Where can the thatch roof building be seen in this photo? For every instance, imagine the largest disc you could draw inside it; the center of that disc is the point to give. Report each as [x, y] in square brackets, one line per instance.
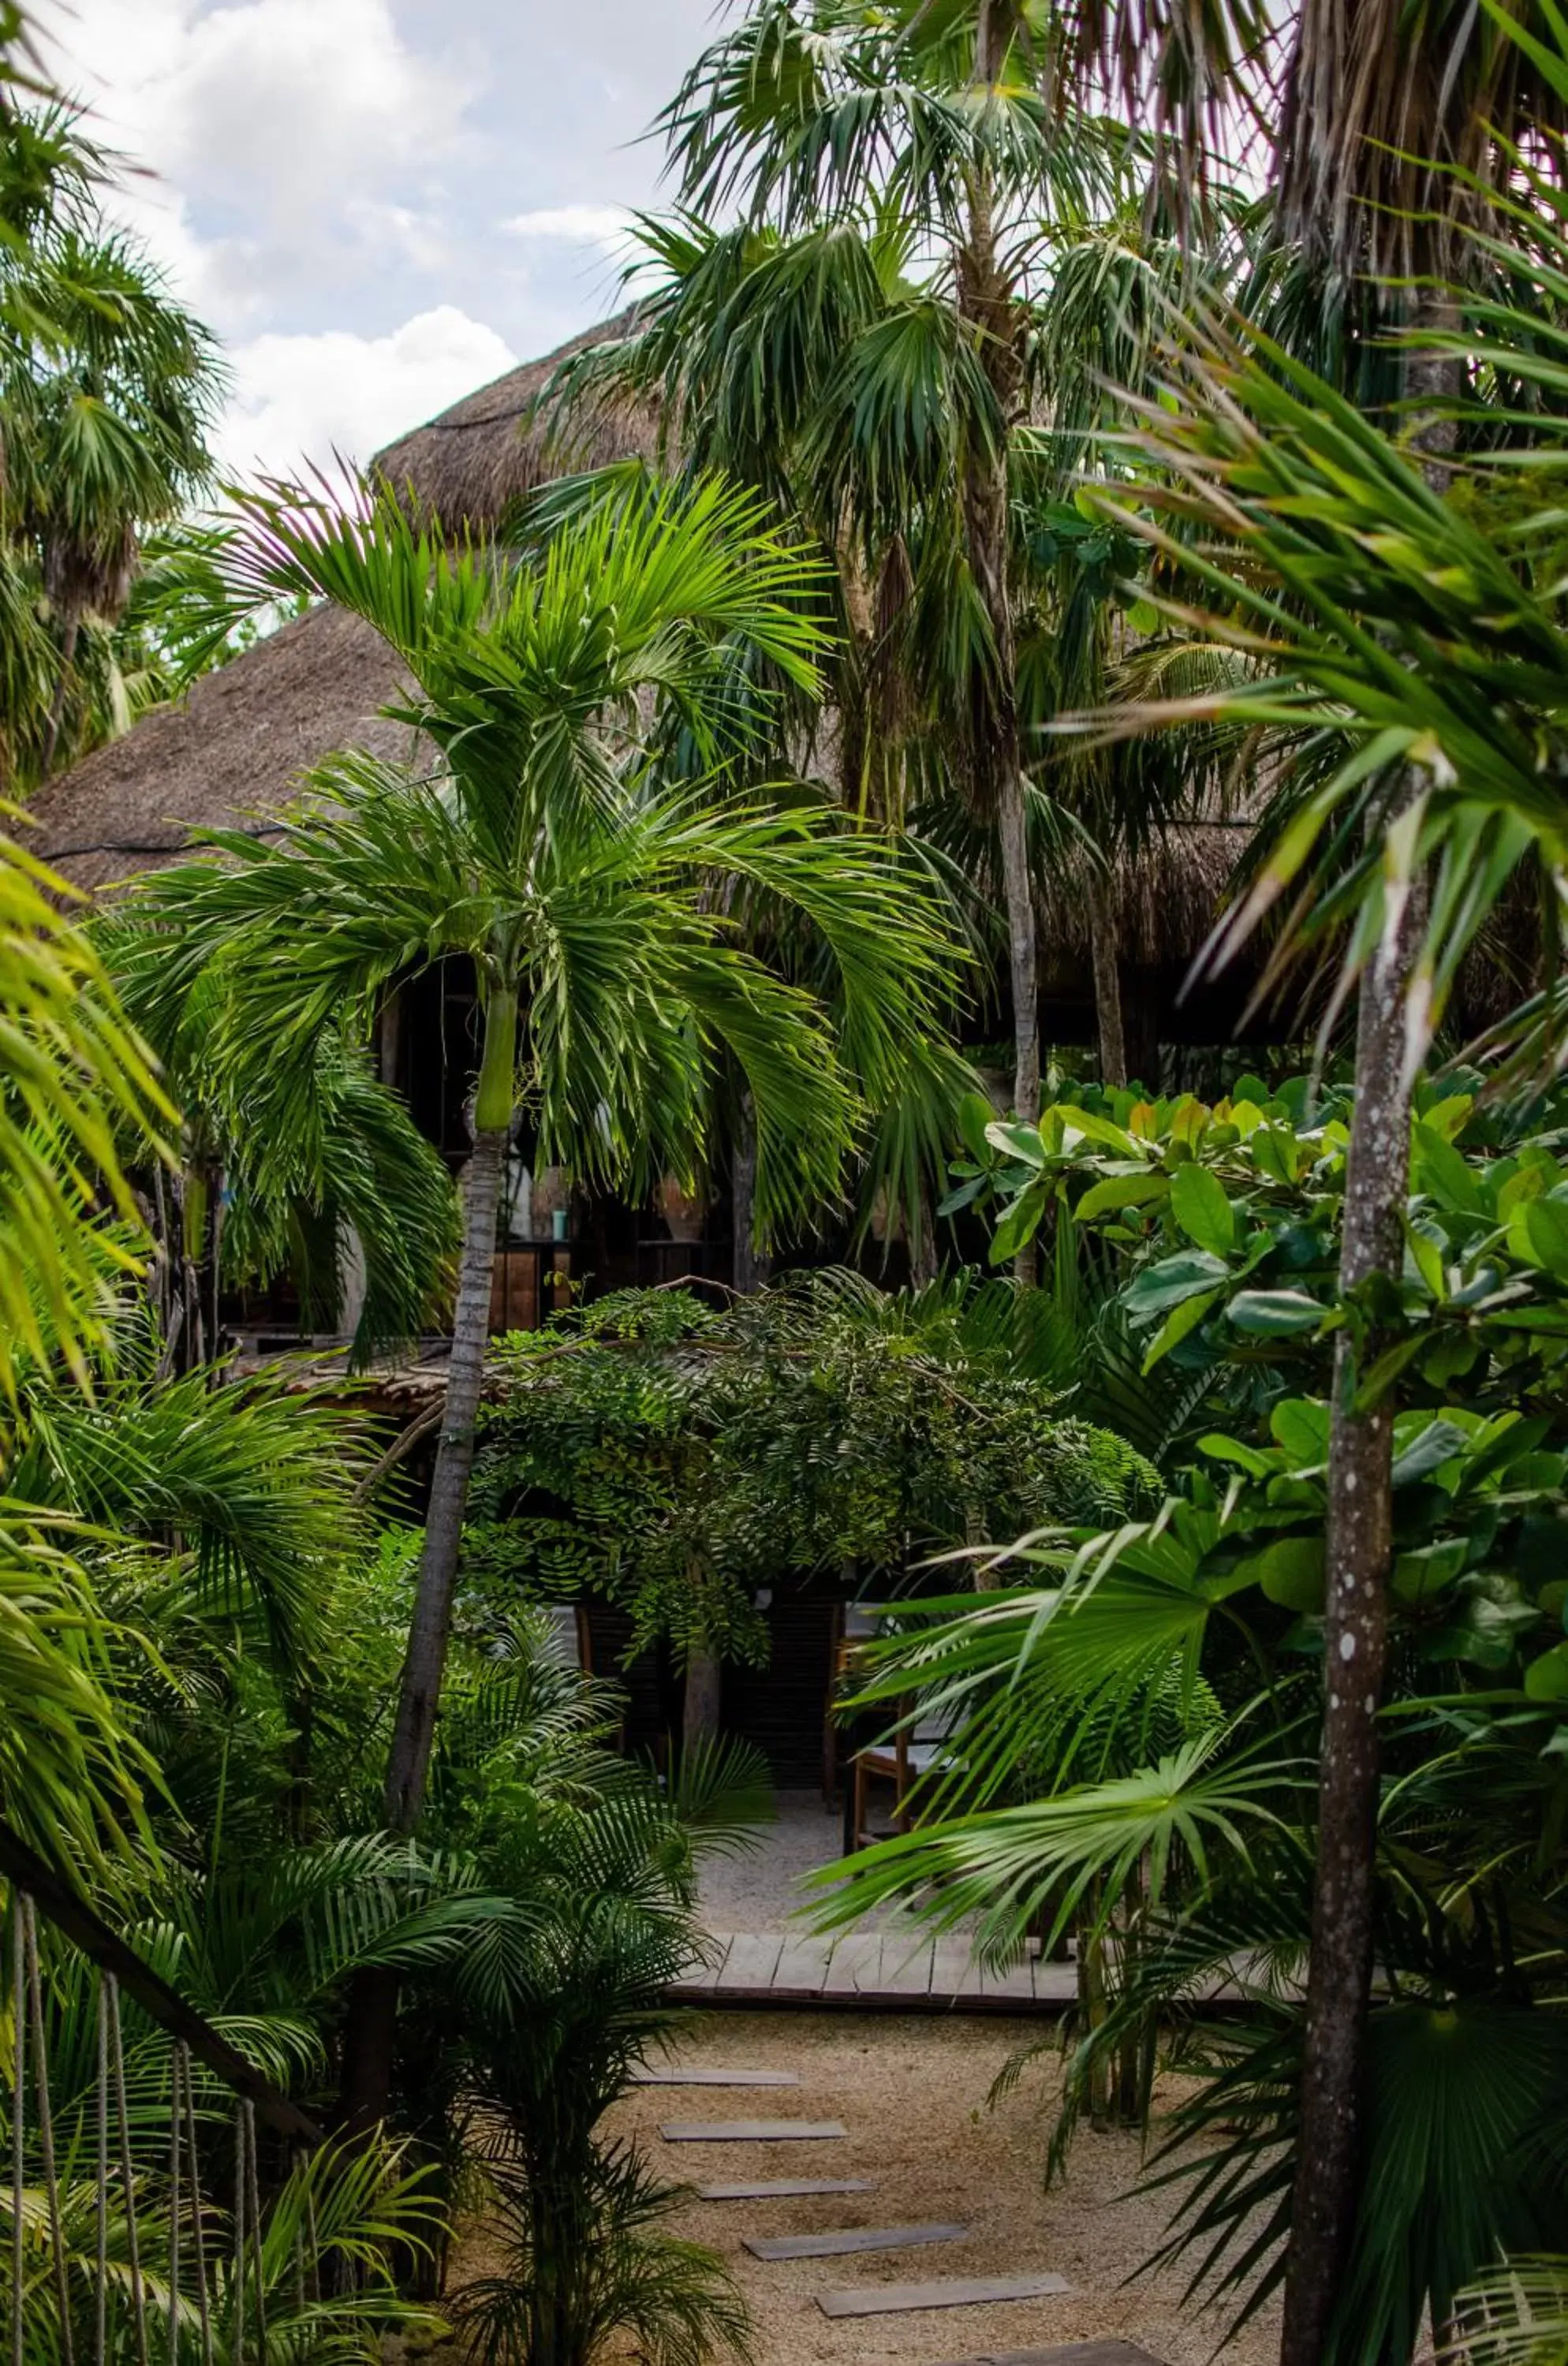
[231, 753]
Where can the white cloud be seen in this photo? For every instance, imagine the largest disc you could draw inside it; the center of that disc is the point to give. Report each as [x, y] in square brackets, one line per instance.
[594, 225]
[301, 399]
[307, 138]
[318, 171]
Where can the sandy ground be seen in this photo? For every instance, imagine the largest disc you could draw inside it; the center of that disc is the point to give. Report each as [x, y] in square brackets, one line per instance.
[766, 1888]
[912, 2094]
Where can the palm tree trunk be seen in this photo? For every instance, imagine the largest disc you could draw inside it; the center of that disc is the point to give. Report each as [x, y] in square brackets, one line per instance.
[986, 306]
[365, 2089]
[1107, 986]
[704, 1686]
[419, 1697]
[1359, 1554]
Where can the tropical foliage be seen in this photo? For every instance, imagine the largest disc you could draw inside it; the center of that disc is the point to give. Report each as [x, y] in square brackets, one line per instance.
[676, 1459]
[109, 389]
[1135, 1725]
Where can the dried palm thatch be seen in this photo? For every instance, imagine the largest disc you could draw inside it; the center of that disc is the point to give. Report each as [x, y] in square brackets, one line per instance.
[1162, 896]
[494, 447]
[227, 757]
[230, 756]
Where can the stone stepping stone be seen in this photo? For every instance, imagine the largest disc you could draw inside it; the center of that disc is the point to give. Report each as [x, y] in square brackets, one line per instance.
[1065, 2353]
[849, 2239]
[751, 2131]
[715, 2079]
[771, 2188]
[947, 2291]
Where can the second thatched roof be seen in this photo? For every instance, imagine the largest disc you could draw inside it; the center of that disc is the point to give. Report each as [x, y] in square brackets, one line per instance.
[231, 755]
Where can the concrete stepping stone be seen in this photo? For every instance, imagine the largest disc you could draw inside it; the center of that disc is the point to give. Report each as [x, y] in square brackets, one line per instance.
[849, 2239]
[751, 2131]
[715, 2079]
[947, 2291]
[1065, 2353]
[771, 2188]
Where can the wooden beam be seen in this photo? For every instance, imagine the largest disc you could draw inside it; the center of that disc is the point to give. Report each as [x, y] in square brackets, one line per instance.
[87, 1930]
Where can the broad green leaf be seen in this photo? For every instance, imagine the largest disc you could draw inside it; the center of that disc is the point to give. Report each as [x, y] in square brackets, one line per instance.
[1300, 1425]
[1531, 1183]
[1161, 1287]
[1440, 1169]
[1176, 1324]
[976, 1116]
[1430, 1448]
[1190, 1121]
[1537, 1232]
[1249, 1459]
[1095, 1128]
[1428, 1254]
[1198, 1203]
[1121, 1191]
[1019, 1142]
[1290, 1571]
[1416, 1575]
[1021, 1224]
[1447, 1117]
[1546, 1679]
[1274, 1149]
[1276, 1313]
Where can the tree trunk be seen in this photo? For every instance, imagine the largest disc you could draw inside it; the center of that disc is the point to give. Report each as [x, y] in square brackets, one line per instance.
[62, 684]
[705, 1688]
[985, 306]
[189, 1345]
[752, 1267]
[365, 2087]
[1107, 988]
[409, 1761]
[1360, 1552]
[925, 1252]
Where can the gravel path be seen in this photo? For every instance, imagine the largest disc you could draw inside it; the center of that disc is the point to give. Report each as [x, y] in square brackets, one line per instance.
[768, 1888]
[913, 2093]
[764, 1890]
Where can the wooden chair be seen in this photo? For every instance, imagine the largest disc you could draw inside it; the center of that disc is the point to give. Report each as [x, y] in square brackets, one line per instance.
[853, 1625]
[902, 1760]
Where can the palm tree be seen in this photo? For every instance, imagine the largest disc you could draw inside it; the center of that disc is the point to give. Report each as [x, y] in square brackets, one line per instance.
[855, 141]
[69, 1239]
[107, 390]
[1393, 137]
[304, 1173]
[539, 847]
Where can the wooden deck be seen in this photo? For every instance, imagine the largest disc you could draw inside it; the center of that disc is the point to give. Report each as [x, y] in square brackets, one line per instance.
[867, 1971]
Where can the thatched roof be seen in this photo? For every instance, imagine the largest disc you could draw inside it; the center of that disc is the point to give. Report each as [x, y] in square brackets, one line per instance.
[227, 756]
[231, 754]
[1165, 898]
[487, 451]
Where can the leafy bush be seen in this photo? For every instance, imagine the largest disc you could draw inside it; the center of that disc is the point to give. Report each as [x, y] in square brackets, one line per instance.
[677, 1459]
[1162, 1679]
